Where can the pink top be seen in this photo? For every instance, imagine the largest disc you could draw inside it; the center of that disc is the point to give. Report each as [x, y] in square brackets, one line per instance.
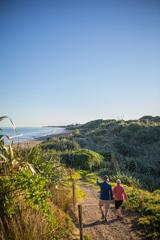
[119, 193]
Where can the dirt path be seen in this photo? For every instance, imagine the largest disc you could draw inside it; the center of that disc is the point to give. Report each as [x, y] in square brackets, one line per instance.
[100, 230]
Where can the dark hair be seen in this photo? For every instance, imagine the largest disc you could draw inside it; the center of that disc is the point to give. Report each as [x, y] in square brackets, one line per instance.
[105, 177]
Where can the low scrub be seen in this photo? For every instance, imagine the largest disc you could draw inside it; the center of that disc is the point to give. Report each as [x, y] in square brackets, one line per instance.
[28, 208]
[82, 159]
[147, 204]
[34, 225]
[60, 144]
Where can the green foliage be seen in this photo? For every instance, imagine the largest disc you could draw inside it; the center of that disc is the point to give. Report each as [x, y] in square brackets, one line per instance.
[60, 144]
[83, 159]
[148, 206]
[76, 133]
[34, 189]
[150, 119]
[148, 135]
[123, 148]
[47, 163]
[126, 179]
[135, 145]
[26, 177]
[88, 177]
[35, 179]
[18, 177]
[93, 124]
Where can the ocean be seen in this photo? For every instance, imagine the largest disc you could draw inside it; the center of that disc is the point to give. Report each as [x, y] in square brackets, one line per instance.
[24, 134]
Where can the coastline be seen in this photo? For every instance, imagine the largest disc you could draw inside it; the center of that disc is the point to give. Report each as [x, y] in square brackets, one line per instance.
[33, 142]
[65, 132]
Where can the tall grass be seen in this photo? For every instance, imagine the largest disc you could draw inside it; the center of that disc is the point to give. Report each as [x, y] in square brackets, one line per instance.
[31, 224]
[25, 225]
[27, 210]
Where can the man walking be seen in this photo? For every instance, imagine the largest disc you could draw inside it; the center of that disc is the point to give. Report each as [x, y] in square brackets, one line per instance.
[105, 196]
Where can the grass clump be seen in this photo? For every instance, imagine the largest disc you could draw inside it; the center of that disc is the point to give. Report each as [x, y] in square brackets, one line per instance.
[147, 204]
[29, 209]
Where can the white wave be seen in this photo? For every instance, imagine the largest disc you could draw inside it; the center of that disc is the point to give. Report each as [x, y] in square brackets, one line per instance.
[16, 136]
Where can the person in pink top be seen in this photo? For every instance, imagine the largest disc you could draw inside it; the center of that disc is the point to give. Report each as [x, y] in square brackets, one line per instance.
[119, 195]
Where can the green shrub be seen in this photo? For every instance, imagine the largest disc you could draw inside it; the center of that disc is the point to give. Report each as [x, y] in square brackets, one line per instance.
[126, 179]
[25, 179]
[60, 144]
[148, 205]
[83, 159]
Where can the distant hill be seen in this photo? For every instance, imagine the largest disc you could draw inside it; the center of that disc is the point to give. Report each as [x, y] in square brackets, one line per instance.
[64, 126]
[131, 146]
[150, 118]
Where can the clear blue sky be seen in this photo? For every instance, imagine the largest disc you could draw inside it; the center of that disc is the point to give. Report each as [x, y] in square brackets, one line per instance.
[73, 61]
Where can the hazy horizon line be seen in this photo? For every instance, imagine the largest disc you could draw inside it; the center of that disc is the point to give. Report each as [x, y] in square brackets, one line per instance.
[4, 125]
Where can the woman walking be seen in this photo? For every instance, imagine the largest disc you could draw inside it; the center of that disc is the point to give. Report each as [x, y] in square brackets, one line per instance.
[119, 195]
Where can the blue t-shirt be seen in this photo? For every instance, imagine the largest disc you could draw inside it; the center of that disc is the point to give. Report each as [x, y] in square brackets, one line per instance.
[106, 191]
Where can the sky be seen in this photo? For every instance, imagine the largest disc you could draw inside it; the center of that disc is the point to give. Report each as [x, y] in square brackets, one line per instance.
[72, 61]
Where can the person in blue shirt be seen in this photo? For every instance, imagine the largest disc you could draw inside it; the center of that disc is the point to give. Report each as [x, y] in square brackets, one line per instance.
[105, 196]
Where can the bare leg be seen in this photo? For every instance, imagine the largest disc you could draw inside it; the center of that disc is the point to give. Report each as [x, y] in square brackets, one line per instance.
[119, 212]
[106, 209]
[116, 212]
[101, 210]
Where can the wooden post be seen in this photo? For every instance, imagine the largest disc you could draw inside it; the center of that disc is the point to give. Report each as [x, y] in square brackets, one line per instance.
[70, 171]
[74, 196]
[80, 221]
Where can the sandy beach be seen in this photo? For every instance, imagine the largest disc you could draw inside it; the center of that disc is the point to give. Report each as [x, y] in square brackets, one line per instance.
[27, 144]
[34, 142]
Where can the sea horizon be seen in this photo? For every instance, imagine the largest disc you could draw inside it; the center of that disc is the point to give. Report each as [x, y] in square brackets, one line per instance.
[24, 134]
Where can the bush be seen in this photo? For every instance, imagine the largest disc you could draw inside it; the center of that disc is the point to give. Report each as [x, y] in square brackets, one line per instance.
[84, 159]
[60, 144]
[148, 206]
[124, 148]
[148, 135]
[126, 179]
[25, 179]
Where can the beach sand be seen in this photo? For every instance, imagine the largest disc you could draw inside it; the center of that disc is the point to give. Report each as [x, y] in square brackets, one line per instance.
[33, 143]
[28, 144]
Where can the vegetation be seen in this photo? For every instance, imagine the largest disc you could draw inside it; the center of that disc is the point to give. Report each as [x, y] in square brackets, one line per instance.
[148, 206]
[82, 159]
[61, 144]
[34, 183]
[131, 147]
[130, 151]
[34, 195]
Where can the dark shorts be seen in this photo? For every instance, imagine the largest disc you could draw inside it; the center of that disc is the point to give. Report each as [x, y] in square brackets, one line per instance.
[118, 204]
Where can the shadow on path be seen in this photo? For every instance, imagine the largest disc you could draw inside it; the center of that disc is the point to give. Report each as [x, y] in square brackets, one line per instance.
[99, 223]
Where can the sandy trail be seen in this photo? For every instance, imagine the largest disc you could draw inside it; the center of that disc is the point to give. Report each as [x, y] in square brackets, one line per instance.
[99, 230]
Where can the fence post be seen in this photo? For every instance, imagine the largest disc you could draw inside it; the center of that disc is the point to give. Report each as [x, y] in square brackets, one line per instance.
[73, 196]
[70, 171]
[80, 221]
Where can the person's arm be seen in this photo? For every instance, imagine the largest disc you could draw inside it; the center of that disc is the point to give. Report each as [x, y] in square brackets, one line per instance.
[111, 193]
[125, 195]
[97, 182]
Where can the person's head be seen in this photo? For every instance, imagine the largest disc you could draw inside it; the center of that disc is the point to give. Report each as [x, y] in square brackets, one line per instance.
[118, 181]
[105, 178]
